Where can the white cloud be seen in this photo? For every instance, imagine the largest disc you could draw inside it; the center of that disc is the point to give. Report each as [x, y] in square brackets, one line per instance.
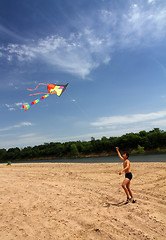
[7, 105]
[27, 135]
[138, 24]
[86, 49]
[22, 124]
[22, 142]
[6, 135]
[161, 123]
[129, 119]
[151, 1]
[11, 109]
[146, 24]
[14, 106]
[77, 55]
[19, 104]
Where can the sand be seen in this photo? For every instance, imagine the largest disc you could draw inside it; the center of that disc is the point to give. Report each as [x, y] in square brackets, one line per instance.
[80, 201]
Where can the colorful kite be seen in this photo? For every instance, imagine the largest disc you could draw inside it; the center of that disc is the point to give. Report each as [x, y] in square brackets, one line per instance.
[58, 89]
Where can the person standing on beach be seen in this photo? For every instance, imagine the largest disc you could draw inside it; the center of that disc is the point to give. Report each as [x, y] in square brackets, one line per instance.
[128, 176]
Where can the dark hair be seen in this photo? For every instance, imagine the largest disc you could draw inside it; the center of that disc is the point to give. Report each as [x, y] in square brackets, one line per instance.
[127, 154]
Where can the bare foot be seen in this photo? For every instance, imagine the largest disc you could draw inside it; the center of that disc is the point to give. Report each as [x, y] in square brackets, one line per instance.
[132, 200]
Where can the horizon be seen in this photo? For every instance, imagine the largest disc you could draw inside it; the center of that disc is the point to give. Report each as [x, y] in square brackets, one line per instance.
[74, 141]
[112, 54]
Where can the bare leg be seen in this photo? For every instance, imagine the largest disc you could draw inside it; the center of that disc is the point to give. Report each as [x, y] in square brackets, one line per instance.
[124, 186]
[129, 190]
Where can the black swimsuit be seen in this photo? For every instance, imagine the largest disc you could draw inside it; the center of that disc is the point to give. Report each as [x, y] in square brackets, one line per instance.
[128, 175]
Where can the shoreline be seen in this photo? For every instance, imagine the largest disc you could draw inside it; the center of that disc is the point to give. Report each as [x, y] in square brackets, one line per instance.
[95, 159]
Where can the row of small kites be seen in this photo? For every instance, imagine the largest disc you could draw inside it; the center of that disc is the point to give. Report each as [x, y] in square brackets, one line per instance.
[51, 88]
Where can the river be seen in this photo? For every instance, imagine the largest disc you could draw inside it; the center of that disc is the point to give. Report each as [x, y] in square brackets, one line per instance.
[111, 159]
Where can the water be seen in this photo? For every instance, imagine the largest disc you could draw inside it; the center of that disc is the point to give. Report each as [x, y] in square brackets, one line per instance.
[111, 159]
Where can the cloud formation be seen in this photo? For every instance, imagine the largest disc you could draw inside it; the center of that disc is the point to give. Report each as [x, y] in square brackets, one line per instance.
[140, 23]
[14, 106]
[19, 125]
[129, 119]
[78, 55]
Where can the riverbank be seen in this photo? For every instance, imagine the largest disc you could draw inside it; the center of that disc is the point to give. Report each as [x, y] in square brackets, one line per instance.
[160, 157]
[78, 201]
[96, 159]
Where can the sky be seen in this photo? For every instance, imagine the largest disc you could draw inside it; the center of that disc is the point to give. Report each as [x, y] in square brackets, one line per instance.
[112, 54]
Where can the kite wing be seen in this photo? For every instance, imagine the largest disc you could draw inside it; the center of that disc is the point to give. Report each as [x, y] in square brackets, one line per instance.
[58, 89]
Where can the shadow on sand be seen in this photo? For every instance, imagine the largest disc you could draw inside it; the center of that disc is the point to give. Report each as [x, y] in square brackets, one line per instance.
[119, 204]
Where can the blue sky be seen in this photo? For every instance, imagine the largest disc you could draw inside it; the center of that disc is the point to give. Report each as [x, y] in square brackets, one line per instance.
[112, 54]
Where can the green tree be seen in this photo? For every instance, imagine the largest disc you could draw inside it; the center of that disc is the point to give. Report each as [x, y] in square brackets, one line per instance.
[142, 133]
[155, 138]
[139, 150]
[73, 150]
[3, 154]
[106, 144]
[27, 153]
[87, 146]
[13, 153]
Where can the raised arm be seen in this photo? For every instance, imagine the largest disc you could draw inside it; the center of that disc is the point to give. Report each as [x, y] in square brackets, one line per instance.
[117, 149]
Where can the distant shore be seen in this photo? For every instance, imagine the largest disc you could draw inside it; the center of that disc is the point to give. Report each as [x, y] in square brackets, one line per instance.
[152, 142]
[104, 154]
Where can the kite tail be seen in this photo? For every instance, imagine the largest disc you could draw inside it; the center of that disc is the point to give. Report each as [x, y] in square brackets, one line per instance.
[26, 107]
[34, 102]
[36, 94]
[51, 88]
[37, 86]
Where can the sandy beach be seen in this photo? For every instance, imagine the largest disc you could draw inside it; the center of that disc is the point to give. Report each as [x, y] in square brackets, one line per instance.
[80, 201]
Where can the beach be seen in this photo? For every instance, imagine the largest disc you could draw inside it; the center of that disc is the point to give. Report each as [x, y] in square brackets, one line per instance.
[69, 201]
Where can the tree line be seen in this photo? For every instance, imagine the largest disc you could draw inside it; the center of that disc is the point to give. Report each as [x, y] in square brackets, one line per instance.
[134, 143]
